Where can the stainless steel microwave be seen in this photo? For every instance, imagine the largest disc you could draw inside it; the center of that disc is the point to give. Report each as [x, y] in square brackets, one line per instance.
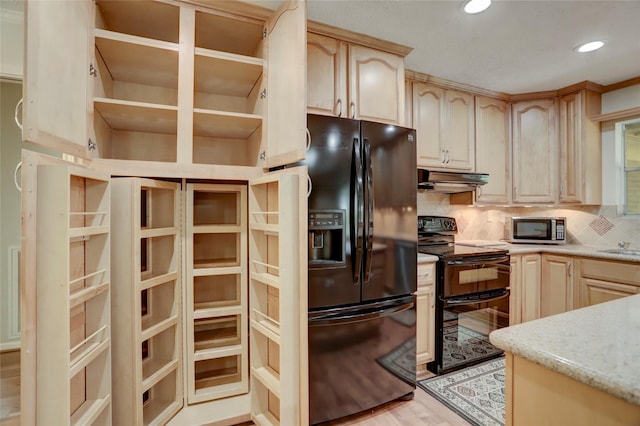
[538, 230]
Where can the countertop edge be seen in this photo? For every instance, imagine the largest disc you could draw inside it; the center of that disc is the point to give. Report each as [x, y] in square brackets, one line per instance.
[510, 340]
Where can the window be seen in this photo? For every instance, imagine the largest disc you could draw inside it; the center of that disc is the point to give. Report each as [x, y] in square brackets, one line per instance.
[631, 161]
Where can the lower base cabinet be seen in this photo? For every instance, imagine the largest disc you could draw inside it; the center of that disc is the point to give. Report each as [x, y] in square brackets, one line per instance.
[601, 281]
[556, 285]
[425, 316]
[546, 397]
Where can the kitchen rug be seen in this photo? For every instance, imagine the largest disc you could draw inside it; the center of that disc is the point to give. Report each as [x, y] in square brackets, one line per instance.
[476, 393]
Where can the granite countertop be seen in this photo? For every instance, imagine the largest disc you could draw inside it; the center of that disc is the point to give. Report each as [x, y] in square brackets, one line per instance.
[598, 345]
[561, 249]
[422, 257]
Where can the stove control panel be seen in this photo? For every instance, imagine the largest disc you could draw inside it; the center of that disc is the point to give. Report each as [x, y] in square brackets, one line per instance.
[432, 224]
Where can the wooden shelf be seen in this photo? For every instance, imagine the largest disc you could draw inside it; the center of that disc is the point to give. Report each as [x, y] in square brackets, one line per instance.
[150, 280]
[226, 74]
[266, 227]
[265, 419]
[269, 378]
[153, 20]
[89, 411]
[153, 326]
[86, 232]
[88, 350]
[138, 116]
[139, 60]
[155, 370]
[215, 264]
[222, 124]
[216, 309]
[267, 329]
[87, 293]
[158, 232]
[222, 33]
[217, 229]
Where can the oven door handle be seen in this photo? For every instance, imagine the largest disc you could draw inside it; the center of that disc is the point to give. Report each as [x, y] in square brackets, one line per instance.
[468, 301]
[479, 261]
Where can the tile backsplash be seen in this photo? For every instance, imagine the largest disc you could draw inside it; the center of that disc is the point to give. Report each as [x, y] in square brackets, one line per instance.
[587, 225]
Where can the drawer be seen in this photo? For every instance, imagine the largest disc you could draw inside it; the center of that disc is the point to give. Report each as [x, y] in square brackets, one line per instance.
[628, 273]
[426, 273]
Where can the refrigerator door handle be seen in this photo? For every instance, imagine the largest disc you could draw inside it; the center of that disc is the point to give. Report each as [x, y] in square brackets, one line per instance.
[336, 319]
[358, 220]
[370, 204]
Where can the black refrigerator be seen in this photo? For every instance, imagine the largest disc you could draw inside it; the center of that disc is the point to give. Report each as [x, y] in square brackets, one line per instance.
[362, 265]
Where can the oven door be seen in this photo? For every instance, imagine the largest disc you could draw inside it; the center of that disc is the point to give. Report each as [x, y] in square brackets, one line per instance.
[466, 322]
[476, 274]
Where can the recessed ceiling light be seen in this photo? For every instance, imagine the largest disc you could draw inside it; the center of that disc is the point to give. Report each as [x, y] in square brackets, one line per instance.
[590, 47]
[476, 6]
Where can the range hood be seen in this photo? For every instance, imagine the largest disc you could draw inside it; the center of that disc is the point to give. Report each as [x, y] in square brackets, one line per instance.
[450, 182]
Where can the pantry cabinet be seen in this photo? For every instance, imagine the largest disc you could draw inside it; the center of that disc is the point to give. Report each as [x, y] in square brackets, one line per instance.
[556, 285]
[580, 171]
[444, 122]
[147, 294]
[195, 93]
[73, 298]
[166, 82]
[493, 149]
[354, 81]
[425, 316]
[216, 302]
[535, 151]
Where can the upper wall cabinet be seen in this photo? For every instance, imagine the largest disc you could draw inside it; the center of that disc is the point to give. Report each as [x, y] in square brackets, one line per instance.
[493, 149]
[349, 80]
[166, 82]
[444, 122]
[580, 148]
[535, 147]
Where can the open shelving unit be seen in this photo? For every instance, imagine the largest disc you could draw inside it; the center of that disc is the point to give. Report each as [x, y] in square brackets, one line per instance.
[147, 296]
[73, 296]
[275, 299]
[211, 112]
[216, 291]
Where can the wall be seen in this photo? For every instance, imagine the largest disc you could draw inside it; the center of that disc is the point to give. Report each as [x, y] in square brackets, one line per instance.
[589, 225]
[11, 38]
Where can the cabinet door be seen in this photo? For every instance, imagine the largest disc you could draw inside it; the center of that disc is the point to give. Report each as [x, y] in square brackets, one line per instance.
[286, 84]
[530, 287]
[459, 131]
[326, 75]
[376, 85]
[425, 315]
[556, 286]
[515, 284]
[427, 120]
[592, 292]
[278, 297]
[55, 89]
[493, 149]
[535, 159]
[580, 149]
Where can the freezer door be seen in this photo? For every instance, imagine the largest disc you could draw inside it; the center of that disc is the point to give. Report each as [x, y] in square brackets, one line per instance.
[333, 161]
[360, 359]
[389, 154]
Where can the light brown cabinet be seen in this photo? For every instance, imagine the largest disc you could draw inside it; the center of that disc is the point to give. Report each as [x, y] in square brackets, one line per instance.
[580, 170]
[601, 281]
[147, 294]
[124, 99]
[493, 149]
[535, 148]
[556, 285]
[216, 305]
[120, 107]
[73, 298]
[425, 316]
[354, 81]
[444, 122]
[524, 300]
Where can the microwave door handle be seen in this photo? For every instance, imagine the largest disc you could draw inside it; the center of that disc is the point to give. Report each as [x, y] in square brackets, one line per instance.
[358, 211]
[369, 200]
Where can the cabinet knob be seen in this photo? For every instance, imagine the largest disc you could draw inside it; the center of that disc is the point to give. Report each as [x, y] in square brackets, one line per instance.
[339, 105]
[353, 109]
[16, 114]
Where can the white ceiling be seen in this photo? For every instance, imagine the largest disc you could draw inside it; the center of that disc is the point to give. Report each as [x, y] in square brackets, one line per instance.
[515, 46]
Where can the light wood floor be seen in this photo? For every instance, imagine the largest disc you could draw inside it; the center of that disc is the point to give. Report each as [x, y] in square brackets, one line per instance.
[421, 410]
